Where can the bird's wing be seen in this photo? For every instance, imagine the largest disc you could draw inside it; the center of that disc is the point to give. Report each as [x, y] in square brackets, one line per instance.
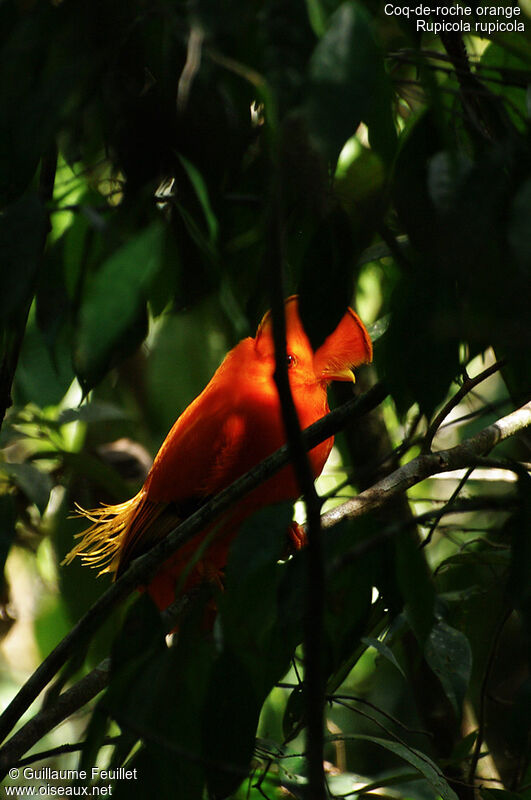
[209, 446]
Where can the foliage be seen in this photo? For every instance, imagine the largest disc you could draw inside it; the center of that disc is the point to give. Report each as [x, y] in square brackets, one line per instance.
[145, 149]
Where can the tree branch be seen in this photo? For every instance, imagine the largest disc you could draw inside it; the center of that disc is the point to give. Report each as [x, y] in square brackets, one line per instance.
[463, 455]
[424, 466]
[468, 385]
[66, 704]
[71, 700]
[142, 569]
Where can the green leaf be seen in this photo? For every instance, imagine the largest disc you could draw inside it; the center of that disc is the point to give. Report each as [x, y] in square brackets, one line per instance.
[348, 85]
[384, 651]
[419, 760]
[34, 483]
[159, 694]
[449, 654]
[379, 328]
[317, 16]
[142, 626]
[293, 713]
[94, 736]
[200, 188]
[513, 69]
[92, 412]
[114, 305]
[42, 374]
[348, 593]
[255, 653]
[251, 585]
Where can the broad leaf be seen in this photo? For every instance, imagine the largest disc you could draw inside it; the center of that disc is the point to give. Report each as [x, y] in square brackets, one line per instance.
[114, 303]
[348, 85]
[34, 483]
[419, 760]
[449, 654]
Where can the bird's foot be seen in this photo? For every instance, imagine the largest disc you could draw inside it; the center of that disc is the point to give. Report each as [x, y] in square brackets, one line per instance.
[296, 539]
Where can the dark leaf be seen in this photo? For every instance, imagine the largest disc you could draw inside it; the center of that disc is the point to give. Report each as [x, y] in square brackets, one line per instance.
[499, 794]
[384, 651]
[293, 714]
[93, 740]
[348, 85]
[249, 606]
[114, 304]
[157, 694]
[449, 654]
[34, 483]
[231, 711]
[419, 760]
[92, 412]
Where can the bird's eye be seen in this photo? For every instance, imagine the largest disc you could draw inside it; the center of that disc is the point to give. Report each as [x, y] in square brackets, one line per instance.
[290, 360]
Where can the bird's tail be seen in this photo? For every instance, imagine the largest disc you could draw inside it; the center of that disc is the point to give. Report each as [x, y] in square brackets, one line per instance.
[102, 543]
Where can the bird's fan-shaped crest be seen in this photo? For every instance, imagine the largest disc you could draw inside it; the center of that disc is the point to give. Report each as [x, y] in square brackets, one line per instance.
[295, 333]
[348, 346]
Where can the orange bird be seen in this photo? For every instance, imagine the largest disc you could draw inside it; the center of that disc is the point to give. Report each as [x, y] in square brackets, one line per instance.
[233, 424]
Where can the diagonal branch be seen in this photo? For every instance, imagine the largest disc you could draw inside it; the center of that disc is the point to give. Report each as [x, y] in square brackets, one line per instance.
[70, 701]
[424, 466]
[467, 453]
[468, 385]
[142, 569]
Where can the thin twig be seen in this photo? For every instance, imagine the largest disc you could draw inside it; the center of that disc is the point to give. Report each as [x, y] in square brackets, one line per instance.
[476, 753]
[467, 387]
[142, 569]
[73, 699]
[390, 531]
[444, 509]
[424, 466]
[344, 698]
[397, 482]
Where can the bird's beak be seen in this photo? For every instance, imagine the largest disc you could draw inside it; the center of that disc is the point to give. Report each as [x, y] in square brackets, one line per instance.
[338, 375]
